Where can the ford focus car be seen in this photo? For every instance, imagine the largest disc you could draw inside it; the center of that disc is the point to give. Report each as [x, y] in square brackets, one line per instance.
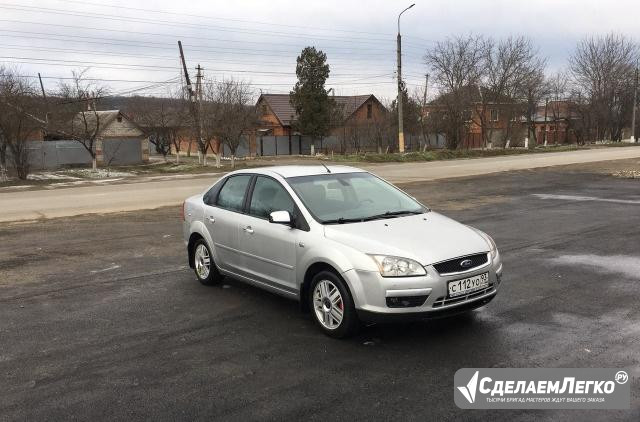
[348, 245]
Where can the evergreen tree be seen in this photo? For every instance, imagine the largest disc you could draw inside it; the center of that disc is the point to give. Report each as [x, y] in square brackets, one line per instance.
[309, 98]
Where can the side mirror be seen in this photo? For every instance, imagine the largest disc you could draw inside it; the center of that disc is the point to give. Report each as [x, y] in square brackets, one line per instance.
[280, 217]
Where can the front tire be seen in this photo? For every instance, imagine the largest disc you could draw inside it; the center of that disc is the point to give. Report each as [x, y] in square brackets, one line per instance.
[332, 306]
[203, 264]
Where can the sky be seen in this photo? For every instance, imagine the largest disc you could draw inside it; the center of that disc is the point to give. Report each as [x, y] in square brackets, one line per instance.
[131, 46]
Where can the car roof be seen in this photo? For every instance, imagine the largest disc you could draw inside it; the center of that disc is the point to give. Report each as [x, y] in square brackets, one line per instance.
[301, 170]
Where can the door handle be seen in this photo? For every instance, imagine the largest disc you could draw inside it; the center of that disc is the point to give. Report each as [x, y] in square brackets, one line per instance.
[211, 219]
[248, 229]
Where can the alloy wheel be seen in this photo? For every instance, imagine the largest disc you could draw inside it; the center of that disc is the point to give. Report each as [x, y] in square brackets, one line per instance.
[328, 304]
[202, 261]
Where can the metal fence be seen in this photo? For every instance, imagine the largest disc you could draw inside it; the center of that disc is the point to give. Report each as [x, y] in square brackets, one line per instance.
[301, 145]
[51, 155]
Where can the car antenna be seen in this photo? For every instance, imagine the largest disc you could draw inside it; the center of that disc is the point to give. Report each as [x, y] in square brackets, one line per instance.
[323, 165]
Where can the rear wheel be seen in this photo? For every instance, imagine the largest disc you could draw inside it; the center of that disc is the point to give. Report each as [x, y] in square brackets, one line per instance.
[203, 264]
[332, 305]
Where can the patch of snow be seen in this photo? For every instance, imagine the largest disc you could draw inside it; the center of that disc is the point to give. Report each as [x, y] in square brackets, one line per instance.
[613, 264]
[111, 268]
[50, 175]
[97, 174]
[17, 187]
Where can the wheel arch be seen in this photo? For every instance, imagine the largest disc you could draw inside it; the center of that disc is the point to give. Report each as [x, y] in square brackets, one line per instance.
[311, 271]
[195, 236]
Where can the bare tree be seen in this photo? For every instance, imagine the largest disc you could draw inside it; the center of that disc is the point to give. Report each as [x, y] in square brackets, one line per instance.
[210, 115]
[557, 108]
[602, 69]
[535, 90]
[163, 120]
[457, 65]
[510, 63]
[233, 113]
[80, 120]
[420, 98]
[18, 122]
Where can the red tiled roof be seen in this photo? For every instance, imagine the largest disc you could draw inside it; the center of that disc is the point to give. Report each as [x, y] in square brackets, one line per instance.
[284, 111]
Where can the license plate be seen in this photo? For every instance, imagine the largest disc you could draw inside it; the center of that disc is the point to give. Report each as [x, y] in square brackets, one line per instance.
[468, 285]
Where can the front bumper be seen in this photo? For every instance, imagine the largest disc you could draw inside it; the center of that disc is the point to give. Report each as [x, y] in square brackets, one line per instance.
[376, 297]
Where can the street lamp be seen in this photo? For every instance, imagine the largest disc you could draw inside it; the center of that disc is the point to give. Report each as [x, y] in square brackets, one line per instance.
[399, 100]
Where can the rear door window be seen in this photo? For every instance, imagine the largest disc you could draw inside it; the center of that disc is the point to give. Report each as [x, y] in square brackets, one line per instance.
[232, 194]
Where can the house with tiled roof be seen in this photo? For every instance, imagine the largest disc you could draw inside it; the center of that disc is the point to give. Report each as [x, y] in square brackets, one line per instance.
[276, 114]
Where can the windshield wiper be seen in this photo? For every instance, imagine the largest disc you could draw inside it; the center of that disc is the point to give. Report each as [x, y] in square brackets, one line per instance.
[391, 214]
[343, 220]
[388, 214]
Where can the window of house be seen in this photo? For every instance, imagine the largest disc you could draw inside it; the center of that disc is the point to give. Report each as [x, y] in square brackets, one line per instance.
[119, 118]
[264, 109]
[369, 110]
[493, 115]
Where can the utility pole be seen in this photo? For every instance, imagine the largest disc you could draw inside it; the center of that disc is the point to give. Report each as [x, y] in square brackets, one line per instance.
[399, 100]
[634, 108]
[192, 102]
[186, 73]
[425, 138]
[546, 126]
[44, 96]
[42, 87]
[198, 113]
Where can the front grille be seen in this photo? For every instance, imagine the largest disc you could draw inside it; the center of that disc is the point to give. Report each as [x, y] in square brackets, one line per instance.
[444, 301]
[453, 265]
[406, 301]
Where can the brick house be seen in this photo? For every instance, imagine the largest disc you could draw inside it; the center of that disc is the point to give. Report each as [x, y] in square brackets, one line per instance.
[500, 121]
[276, 114]
[553, 122]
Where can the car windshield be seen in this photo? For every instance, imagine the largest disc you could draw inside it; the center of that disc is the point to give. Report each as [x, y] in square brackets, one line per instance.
[336, 198]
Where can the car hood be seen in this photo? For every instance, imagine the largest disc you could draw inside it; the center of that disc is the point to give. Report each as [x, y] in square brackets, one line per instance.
[428, 238]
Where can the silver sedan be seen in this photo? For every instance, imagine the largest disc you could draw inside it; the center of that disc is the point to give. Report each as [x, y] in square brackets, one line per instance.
[348, 245]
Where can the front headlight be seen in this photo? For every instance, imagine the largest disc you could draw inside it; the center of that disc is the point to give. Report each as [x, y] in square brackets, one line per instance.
[394, 266]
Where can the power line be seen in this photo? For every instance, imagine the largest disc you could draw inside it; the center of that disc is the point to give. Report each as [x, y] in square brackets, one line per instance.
[335, 63]
[208, 28]
[182, 36]
[164, 45]
[152, 67]
[175, 81]
[252, 22]
[175, 13]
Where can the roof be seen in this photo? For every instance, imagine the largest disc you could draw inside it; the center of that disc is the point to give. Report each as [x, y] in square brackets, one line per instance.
[284, 111]
[300, 170]
[64, 122]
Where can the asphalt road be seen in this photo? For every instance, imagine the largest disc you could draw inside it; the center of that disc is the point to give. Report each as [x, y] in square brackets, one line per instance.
[100, 319]
[168, 191]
